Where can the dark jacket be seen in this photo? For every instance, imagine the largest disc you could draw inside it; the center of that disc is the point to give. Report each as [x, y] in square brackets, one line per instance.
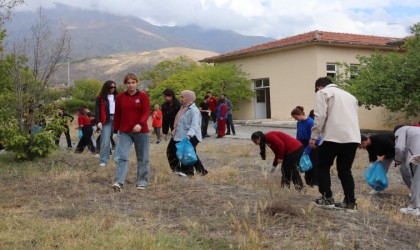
[169, 112]
[98, 107]
[381, 144]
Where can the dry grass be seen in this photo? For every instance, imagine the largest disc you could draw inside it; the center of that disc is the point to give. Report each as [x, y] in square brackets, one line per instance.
[67, 202]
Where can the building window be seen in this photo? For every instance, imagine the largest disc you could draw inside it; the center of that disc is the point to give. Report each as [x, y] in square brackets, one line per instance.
[261, 83]
[354, 70]
[332, 70]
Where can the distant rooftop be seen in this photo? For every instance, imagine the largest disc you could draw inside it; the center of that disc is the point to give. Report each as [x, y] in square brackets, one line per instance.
[312, 37]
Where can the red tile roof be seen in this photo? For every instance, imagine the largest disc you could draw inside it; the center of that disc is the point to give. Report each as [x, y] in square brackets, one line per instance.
[311, 37]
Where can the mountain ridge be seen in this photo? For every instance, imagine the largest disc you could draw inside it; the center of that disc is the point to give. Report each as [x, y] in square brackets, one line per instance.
[95, 33]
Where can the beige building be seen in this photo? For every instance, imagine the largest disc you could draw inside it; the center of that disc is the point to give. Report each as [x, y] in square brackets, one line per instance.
[283, 72]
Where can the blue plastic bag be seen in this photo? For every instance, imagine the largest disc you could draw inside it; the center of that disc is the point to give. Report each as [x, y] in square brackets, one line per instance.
[185, 152]
[80, 134]
[305, 163]
[376, 177]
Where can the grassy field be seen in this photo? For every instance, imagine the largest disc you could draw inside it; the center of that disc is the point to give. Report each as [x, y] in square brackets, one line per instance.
[66, 202]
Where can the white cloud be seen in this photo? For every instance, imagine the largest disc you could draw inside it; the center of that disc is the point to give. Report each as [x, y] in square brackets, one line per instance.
[274, 18]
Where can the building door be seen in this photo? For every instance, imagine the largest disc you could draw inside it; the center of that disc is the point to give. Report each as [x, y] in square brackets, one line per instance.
[262, 99]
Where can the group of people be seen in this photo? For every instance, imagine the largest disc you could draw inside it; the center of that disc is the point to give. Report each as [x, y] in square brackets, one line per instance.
[333, 134]
[220, 112]
[329, 133]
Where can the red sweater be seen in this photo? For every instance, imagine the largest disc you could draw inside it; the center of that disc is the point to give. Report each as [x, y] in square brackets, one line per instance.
[157, 119]
[282, 144]
[83, 120]
[131, 110]
[212, 104]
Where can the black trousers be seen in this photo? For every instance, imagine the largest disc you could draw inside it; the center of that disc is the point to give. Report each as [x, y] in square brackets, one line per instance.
[229, 124]
[67, 134]
[176, 165]
[289, 169]
[311, 177]
[166, 125]
[204, 124]
[86, 140]
[345, 153]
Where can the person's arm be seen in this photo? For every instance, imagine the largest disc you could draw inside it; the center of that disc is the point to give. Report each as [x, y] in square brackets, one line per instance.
[80, 122]
[277, 146]
[223, 112]
[400, 142]
[145, 110]
[117, 114]
[195, 123]
[320, 110]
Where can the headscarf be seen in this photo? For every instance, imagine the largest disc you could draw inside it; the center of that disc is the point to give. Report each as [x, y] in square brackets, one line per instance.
[189, 98]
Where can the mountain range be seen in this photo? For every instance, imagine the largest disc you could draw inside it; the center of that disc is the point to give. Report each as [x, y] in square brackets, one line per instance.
[95, 33]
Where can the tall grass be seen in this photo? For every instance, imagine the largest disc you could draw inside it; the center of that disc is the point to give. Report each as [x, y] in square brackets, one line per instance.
[66, 201]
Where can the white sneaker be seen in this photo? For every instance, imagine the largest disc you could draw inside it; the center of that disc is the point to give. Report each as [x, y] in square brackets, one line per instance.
[181, 174]
[374, 192]
[141, 187]
[410, 210]
[102, 164]
[117, 187]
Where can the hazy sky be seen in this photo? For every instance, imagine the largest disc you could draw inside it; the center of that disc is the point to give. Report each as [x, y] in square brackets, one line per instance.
[272, 18]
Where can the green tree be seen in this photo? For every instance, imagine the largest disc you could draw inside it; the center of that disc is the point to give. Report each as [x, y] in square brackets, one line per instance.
[165, 69]
[226, 79]
[26, 127]
[390, 80]
[84, 92]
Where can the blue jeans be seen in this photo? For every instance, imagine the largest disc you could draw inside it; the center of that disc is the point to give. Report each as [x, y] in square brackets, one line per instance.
[107, 130]
[93, 136]
[141, 145]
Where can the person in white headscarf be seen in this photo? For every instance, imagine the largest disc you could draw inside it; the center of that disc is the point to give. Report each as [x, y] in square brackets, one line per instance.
[187, 123]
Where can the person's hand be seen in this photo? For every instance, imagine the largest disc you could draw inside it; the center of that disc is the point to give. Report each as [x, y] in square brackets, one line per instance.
[137, 128]
[312, 143]
[280, 161]
[99, 125]
[415, 159]
[273, 169]
[381, 158]
[115, 137]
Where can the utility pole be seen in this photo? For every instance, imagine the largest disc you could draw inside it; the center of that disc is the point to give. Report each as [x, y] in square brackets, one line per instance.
[68, 72]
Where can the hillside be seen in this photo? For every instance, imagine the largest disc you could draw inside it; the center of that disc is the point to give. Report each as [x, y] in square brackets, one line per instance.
[116, 66]
[95, 33]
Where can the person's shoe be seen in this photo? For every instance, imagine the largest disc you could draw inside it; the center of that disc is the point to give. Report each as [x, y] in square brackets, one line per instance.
[234, 133]
[410, 210]
[374, 192]
[325, 202]
[96, 155]
[141, 187]
[157, 142]
[181, 174]
[69, 148]
[227, 133]
[117, 187]
[351, 207]
[102, 164]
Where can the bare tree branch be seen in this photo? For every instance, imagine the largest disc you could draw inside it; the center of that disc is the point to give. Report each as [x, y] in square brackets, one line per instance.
[6, 7]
